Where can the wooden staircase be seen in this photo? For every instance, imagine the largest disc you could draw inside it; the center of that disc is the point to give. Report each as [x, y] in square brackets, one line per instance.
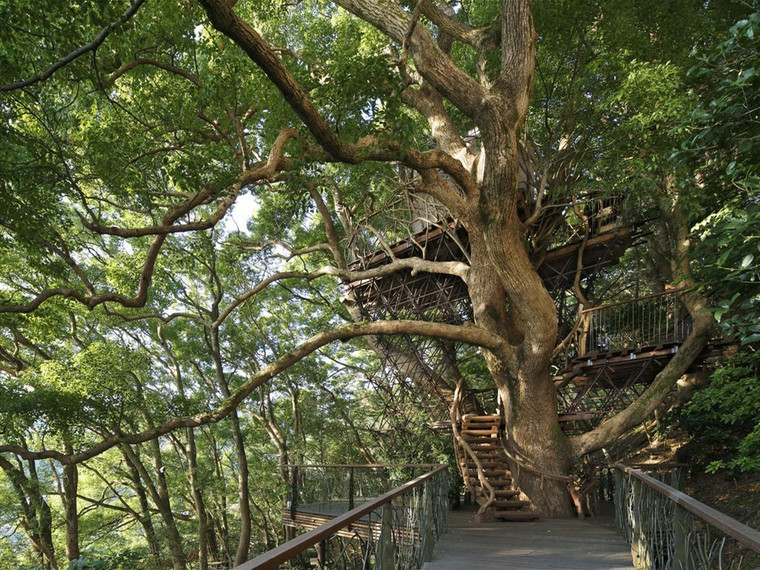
[481, 435]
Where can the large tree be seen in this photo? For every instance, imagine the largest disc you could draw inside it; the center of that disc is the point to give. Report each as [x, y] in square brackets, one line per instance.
[130, 131]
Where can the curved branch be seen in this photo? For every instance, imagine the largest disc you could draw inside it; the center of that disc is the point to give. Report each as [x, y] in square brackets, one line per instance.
[454, 268]
[431, 62]
[64, 61]
[468, 334]
[167, 227]
[224, 19]
[92, 301]
[264, 170]
[460, 31]
[154, 62]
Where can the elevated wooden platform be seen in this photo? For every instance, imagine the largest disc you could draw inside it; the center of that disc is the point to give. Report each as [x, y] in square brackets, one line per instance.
[602, 250]
[447, 241]
[599, 384]
[567, 544]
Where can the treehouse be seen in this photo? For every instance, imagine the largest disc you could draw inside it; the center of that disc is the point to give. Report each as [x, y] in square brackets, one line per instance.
[612, 356]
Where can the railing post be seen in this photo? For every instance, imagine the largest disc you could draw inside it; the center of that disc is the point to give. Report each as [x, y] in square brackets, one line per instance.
[321, 548]
[681, 522]
[294, 494]
[384, 559]
[426, 522]
[639, 542]
[351, 489]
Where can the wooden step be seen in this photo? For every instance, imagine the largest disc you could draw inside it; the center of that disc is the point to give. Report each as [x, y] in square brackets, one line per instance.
[493, 482]
[489, 472]
[513, 515]
[516, 504]
[482, 419]
[486, 463]
[506, 493]
[500, 467]
[480, 440]
[478, 437]
[485, 445]
[490, 454]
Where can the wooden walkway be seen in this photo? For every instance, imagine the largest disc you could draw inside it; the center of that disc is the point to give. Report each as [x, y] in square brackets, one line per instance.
[569, 544]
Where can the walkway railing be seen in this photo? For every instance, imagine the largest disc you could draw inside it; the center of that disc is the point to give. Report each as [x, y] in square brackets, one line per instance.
[667, 529]
[651, 320]
[351, 529]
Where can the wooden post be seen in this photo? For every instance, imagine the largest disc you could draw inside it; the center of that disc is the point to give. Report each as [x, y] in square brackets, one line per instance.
[426, 522]
[294, 494]
[681, 523]
[351, 489]
[638, 542]
[321, 553]
[384, 559]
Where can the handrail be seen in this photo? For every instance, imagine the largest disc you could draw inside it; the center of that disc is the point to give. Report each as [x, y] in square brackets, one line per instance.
[741, 532]
[635, 300]
[361, 466]
[288, 550]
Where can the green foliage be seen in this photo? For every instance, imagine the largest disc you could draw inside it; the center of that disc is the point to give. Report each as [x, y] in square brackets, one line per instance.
[728, 267]
[722, 418]
[725, 129]
[723, 145]
[95, 386]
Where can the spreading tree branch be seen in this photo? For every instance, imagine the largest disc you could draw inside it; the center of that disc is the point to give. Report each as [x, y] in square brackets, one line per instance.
[468, 334]
[77, 53]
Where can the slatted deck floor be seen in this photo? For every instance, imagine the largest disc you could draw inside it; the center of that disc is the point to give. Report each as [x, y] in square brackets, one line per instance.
[569, 544]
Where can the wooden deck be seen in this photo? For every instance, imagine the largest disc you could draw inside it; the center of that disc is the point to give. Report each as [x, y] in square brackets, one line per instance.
[569, 544]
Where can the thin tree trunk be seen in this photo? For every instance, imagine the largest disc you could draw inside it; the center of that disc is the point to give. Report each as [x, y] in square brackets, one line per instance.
[145, 518]
[160, 496]
[244, 504]
[198, 503]
[36, 513]
[70, 488]
[191, 454]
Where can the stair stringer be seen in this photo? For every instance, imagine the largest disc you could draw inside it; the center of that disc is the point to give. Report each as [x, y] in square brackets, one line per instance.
[486, 472]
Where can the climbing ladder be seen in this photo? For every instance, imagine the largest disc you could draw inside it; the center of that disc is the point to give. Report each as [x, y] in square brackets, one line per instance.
[484, 468]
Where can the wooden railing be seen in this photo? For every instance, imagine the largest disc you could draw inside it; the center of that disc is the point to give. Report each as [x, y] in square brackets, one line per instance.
[669, 529]
[397, 529]
[647, 321]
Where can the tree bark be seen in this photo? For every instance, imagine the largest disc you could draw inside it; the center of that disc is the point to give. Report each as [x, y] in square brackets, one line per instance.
[244, 503]
[70, 488]
[159, 493]
[36, 519]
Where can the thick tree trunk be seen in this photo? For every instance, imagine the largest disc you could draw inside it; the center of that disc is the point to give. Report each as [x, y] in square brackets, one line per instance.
[541, 452]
